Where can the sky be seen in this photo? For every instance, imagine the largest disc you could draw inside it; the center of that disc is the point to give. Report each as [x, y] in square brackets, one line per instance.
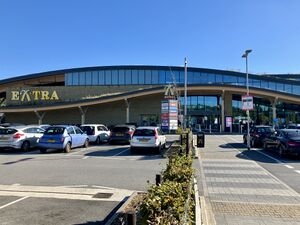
[39, 36]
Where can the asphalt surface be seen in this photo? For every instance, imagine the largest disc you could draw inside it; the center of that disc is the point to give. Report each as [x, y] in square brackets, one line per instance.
[81, 187]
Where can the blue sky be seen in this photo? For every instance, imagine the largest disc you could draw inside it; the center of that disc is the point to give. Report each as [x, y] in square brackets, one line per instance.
[39, 36]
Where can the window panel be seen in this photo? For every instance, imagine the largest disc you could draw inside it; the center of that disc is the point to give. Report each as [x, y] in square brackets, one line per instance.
[114, 77]
[128, 77]
[148, 78]
[95, 78]
[88, 78]
[141, 76]
[82, 78]
[135, 78]
[288, 88]
[101, 77]
[107, 77]
[169, 77]
[272, 86]
[162, 77]
[121, 77]
[155, 77]
[219, 78]
[264, 84]
[211, 78]
[242, 81]
[279, 87]
[181, 76]
[69, 79]
[296, 89]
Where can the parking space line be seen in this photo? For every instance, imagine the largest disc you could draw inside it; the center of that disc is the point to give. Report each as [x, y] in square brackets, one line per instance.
[13, 202]
[288, 166]
[122, 152]
[297, 171]
[85, 157]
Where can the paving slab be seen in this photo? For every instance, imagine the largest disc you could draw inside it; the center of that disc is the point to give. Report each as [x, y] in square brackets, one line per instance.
[237, 190]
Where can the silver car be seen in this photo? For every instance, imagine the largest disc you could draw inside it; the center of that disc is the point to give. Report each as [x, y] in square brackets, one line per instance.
[20, 137]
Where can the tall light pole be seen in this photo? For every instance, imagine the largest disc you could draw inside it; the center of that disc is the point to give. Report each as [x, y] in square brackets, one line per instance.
[185, 94]
[245, 55]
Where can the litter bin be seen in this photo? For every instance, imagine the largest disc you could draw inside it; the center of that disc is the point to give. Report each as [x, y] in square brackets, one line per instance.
[200, 139]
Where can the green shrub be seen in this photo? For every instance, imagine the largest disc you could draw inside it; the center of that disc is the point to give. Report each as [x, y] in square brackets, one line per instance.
[165, 203]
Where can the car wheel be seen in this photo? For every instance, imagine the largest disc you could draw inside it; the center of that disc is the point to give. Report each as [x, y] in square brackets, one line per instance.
[282, 152]
[43, 150]
[252, 143]
[98, 140]
[265, 146]
[86, 143]
[132, 150]
[158, 149]
[25, 146]
[67, 148]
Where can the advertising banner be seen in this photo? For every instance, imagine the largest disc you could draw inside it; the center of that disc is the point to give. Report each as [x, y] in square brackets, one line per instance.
[169, 114]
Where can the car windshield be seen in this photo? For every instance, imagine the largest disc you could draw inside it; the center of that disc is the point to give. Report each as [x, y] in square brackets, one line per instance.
[54, 130]
[7, 131]
[120, 129]
[144, 132]
[89, 130]
[265, 130]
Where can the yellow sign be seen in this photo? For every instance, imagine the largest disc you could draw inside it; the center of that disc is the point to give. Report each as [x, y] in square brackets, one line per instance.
[28, 95]
[169, 91]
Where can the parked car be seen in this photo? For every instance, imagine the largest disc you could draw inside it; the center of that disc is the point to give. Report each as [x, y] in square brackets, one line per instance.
[63, 137]
[293, 126]
[148, 138]
[43, 126]
[258, 134]
[121, 134]
[97, 132]
[20, 137]
[285, 141]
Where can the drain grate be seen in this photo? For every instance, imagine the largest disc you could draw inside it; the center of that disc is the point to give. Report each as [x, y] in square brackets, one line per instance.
[102, 195]
[251, 209]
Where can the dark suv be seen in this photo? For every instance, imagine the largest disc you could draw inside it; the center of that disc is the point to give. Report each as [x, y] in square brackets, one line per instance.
[121, 134]
[258, 134]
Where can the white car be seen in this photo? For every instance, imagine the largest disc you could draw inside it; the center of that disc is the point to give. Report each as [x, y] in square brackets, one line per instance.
[148, 138]
[97, 132]
[20, 137]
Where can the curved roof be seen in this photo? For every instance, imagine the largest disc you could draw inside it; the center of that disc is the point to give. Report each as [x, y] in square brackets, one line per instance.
[271, 95]
[268, 77]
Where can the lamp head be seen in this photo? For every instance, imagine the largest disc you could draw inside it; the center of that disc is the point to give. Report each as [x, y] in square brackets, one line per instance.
[246, 53]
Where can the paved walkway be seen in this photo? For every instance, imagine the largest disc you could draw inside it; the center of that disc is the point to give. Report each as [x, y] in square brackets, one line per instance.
[238, 191]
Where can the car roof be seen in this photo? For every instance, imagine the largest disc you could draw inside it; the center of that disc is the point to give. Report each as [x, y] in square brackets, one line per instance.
[257, 126]
[124, 125]
[148, 127]
[286, 129]
[96, 124]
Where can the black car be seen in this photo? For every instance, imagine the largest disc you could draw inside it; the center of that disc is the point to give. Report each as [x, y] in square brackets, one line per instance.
[258, 134]
[285, 141]
[121, 134]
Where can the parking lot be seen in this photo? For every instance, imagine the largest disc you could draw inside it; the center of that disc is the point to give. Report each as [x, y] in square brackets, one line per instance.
[80, 187]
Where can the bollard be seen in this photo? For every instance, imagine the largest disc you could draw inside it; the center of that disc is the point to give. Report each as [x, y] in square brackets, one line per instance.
[158, 179]
[187, 149]
[131, 218]
[210, 128]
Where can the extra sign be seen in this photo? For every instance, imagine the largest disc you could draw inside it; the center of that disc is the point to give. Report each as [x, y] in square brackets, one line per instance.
[247, 102]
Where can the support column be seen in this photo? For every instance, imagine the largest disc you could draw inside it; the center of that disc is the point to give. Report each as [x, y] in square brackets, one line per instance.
[127, 103]
[274, 103]
[223, 111]
[39, 116]
[82, 111]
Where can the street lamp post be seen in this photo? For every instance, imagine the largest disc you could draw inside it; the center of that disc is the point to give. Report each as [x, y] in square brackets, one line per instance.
[185, 95]
[245, 55]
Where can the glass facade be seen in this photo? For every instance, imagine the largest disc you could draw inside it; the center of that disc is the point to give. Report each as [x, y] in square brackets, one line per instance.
[203, 111]
[263, 113]
[157, 77]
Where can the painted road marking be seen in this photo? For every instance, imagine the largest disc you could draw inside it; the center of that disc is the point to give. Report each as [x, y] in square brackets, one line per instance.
[13, 202]
[288, 166]
[76, 193]
[297, 171]
[85, 157]
[121, 152]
